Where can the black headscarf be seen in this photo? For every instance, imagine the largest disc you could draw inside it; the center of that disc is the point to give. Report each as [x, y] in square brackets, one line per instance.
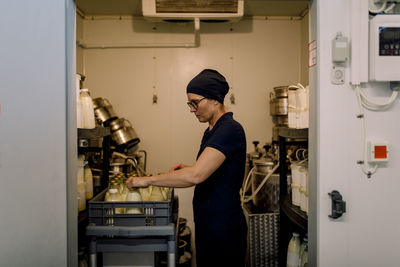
[210, 84]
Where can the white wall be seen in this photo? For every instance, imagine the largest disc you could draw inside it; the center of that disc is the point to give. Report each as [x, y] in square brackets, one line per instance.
[254, 56]
[305, 29]
[368, 233]
[33, 133]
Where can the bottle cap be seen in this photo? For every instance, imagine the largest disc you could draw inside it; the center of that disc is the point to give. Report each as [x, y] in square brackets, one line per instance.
[295, 234]
[85, 90]
[113, 190]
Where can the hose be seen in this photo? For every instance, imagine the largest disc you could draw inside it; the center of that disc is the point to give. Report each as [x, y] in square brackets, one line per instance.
[384, 8]
[369, 104]
[244, 188]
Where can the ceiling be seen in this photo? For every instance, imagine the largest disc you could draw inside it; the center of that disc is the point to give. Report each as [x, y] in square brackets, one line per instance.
[251, 7]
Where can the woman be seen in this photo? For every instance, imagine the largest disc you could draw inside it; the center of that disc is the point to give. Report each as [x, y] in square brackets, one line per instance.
[220, 225]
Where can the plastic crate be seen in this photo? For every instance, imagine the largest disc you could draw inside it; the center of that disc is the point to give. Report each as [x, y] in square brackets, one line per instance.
[155, 213]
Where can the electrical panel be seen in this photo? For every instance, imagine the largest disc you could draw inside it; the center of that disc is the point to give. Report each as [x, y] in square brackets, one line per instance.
[384, 60]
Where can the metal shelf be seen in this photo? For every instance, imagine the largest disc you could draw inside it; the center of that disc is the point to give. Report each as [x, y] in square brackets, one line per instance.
[292, 218]
[293, 133]
[294, 213]
[93, 133]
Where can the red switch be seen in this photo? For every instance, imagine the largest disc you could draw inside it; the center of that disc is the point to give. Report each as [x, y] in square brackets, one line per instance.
[380, 152]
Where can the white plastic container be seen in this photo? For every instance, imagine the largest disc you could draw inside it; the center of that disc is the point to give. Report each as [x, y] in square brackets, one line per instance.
[88, 182]
[296, 194]
[292, 108]
[303, 199]
[295, 169]
[303, 172]
[293, 254]
[88, 119]
[302, 107]
[306, 204]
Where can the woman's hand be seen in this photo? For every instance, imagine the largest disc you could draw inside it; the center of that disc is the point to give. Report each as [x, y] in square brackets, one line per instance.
[135, 182]
[177, 167]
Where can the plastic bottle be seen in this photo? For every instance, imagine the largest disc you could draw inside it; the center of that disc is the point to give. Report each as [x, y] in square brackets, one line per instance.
[125, 190]
[304, 257]
[114, 196]
[156, 194]
[87, 109]
[81, 184]
[88, 182]
[113, 184]
[302, 246]
[121, 181]
[293, 254]
[133, 195]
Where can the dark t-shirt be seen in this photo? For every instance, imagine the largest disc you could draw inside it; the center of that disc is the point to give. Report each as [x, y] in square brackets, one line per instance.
[216, 201]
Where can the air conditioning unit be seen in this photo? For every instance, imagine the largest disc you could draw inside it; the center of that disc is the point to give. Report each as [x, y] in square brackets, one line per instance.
[188, 10]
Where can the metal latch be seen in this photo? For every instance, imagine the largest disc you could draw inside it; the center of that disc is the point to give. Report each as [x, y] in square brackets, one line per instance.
[338, 205]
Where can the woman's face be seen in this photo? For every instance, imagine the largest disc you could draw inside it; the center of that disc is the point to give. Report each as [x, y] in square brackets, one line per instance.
[202, 108]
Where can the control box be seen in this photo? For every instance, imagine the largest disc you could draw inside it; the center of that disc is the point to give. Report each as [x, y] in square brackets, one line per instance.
[378, 151]
[384, 48]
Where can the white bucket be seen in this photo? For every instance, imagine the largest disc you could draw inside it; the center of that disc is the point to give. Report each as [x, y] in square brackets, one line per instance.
[296, 175]
[292, 108]
[296, 194]
[303, 201]
[303, 173]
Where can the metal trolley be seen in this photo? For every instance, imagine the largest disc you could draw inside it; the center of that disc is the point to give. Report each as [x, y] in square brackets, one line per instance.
[154, 230]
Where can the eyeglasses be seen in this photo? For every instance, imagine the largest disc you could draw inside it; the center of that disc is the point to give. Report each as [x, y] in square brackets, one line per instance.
[194, 103]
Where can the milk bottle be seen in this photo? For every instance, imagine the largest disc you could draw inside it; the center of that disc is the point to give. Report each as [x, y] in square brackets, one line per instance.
[81, 185]
[114, 196]
[88, 182]
[133, 195]
[293, 254]
[87, 109]
[113, 184]
[302, 247]
[156, 194]
[124, 191]
[304, 257]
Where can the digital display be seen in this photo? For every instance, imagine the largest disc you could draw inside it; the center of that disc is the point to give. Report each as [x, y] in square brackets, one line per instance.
[389, 41]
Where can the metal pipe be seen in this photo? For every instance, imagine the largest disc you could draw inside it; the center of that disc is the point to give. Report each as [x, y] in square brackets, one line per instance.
[145, 158]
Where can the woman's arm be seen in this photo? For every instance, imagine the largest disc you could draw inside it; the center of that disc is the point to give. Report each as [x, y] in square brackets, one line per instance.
[207, 163]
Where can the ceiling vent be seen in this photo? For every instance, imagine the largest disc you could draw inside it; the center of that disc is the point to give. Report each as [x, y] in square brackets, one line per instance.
[188, 10]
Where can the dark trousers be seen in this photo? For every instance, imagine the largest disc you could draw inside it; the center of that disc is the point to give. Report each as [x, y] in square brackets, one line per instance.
[221, 248]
